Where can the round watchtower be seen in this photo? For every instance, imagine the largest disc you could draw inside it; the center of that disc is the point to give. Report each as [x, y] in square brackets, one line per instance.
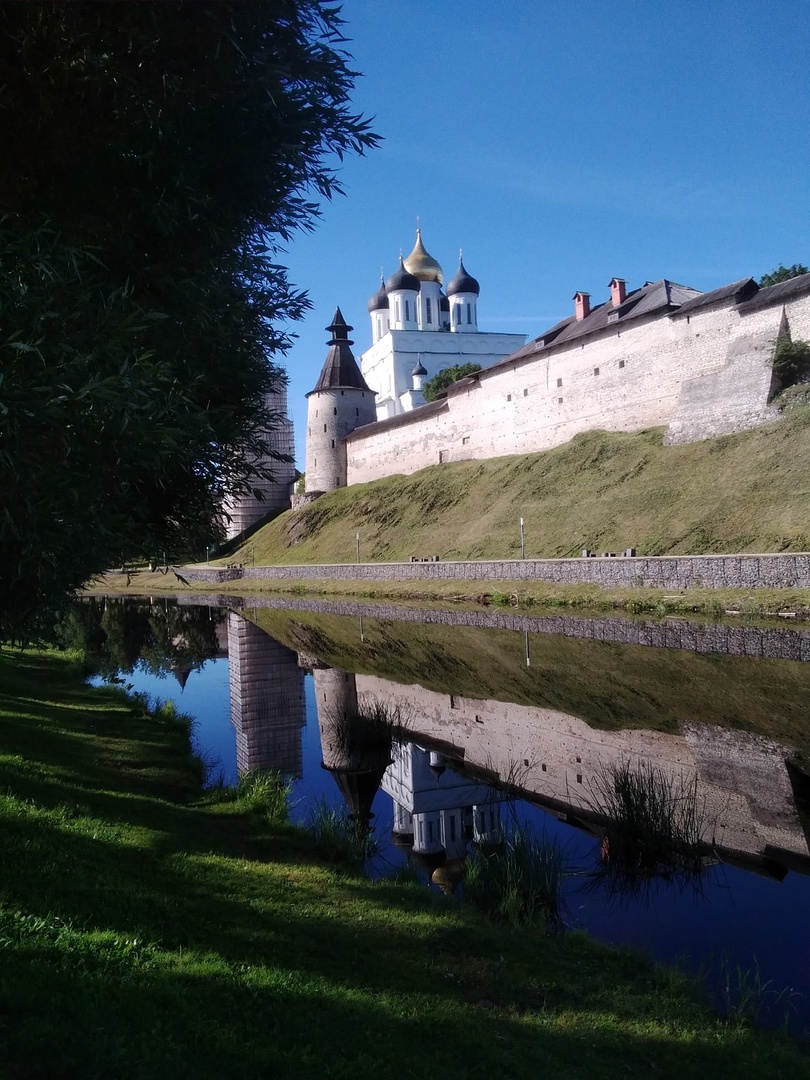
[340, 402]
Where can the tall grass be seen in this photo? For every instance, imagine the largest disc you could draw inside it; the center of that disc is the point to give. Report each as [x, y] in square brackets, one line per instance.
[339, 836]
[653, 825]
[519, 881]
[264, 792]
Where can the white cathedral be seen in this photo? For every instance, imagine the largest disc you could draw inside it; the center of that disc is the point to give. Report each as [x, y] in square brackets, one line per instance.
[417, 330]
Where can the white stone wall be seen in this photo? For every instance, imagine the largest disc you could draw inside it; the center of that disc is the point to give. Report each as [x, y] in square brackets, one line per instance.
[623, 379]
[331, 415]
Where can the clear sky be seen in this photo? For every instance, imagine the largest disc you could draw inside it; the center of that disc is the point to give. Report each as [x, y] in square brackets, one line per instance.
[560, 144]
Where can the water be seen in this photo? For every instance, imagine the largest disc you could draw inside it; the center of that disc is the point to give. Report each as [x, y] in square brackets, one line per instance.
[546, 705]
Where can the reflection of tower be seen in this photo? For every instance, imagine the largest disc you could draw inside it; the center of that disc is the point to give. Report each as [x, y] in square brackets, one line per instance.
[356, 750]
[267, 700]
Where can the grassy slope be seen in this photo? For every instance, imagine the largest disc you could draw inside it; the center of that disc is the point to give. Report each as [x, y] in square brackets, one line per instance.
[747, 492]
[146, 934]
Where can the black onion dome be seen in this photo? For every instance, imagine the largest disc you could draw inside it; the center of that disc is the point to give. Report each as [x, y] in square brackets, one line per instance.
[462, 282]
[379, 299]
[402, 280]
[419, 369]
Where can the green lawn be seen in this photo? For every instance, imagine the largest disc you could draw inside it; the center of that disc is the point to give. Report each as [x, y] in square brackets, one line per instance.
[149, 931]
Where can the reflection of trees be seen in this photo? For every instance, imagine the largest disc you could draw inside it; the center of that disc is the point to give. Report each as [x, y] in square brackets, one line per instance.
[118, 635]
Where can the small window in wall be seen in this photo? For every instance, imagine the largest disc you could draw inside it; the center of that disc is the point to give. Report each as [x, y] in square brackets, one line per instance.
[309, 431]
[335, 410]
[356, 412]
[525, 393]
[508, 397]
[407, 311]
[453, 827]
[442, 456]
[428, 312]
[621, 363]
[559, 382]
[342, 394]
[333, 444]
[596, 371]
[469, 314]
[324, 427]
[544, 767]
[559, 401]
[579, 777]
[399, 312]
[316, 414]
[458, 314]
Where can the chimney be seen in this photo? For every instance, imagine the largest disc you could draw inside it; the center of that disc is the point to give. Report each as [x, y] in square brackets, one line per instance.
[618, 291]
[582, 305]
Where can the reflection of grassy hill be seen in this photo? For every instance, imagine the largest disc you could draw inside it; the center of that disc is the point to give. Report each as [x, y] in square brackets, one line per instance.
[608, 685]
[747, 492]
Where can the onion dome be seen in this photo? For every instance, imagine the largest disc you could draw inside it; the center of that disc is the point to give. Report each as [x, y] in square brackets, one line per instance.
[402, 280]
[379, 299]
[419, 369]
[462, 282]
[421, 264]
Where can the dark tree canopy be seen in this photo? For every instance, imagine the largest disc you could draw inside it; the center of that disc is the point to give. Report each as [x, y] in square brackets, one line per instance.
[155, 157]
[783, 273]
[444, 378]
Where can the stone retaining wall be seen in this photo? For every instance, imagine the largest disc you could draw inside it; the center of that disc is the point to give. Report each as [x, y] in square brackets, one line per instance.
[666, 572]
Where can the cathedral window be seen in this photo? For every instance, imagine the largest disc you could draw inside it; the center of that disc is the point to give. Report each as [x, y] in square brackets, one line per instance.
[428, 313]
[399, 312]
[335, 410]
[324, 427]
[458, 314]
[333, 444]
[469, 313]
[407, 311]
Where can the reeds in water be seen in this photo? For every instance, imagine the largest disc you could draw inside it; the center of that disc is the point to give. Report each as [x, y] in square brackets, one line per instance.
[519, 881]
[653, 823]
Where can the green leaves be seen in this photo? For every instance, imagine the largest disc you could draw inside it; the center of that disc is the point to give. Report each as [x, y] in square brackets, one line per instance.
[146, 188]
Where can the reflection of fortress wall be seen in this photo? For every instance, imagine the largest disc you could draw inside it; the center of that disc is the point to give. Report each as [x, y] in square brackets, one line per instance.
[747, 807]
[267, 700]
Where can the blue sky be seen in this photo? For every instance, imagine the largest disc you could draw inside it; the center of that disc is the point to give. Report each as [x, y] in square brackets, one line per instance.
[558, 145]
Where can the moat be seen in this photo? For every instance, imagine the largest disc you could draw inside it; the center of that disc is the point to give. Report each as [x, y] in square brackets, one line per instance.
[518, 720]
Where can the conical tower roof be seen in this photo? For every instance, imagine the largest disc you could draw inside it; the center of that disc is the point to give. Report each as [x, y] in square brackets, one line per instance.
[422, 265]
[340, 369]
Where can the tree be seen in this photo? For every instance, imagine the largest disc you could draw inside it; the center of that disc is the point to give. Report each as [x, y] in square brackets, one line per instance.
[782, 273]
[156, 156]
[444, 378]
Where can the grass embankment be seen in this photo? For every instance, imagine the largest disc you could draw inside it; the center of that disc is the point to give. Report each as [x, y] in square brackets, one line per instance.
[148, 931]
[602, 491]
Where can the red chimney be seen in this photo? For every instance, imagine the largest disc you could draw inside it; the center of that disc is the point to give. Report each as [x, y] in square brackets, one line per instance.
[618, 291]
[582, 305]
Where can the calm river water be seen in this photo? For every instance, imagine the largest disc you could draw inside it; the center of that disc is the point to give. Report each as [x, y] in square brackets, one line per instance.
[531, 719]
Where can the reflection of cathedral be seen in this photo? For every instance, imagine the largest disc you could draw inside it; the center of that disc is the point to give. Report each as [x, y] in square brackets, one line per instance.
[435, 809]
[267, 700]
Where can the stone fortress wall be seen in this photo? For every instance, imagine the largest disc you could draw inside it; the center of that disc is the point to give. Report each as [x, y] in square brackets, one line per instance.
[704, 371]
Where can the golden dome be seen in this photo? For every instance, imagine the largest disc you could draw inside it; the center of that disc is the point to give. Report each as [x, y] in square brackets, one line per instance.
[422, 265]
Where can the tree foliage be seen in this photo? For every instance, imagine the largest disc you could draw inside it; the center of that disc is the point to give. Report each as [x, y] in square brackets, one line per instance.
[782, 273]
[791, 361]
[156, 155]
[433, 387]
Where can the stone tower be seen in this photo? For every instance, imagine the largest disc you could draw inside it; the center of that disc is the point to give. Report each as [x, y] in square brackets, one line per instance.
[247, 509]
[340, 402]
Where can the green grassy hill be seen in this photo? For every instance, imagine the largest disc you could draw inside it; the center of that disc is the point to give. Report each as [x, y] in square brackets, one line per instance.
[603, 491]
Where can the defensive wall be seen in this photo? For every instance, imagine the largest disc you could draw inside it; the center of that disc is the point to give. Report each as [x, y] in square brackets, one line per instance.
[704, 370]
[783, 571]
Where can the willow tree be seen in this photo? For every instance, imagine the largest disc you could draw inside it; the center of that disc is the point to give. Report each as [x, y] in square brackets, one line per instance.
[156, 155]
